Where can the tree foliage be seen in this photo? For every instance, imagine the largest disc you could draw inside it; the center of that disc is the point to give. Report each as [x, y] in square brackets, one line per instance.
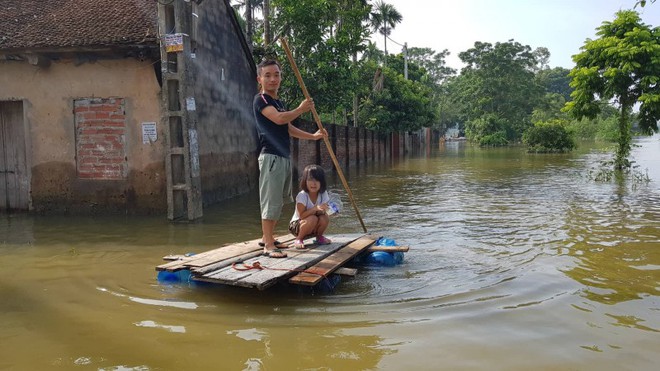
[642, 3]
[432, 62]
[325, 37]
[384, 19]
[502, 91]
[400, 106]
[499, 91]
[549, 137]
[621, 66]
[556, 80]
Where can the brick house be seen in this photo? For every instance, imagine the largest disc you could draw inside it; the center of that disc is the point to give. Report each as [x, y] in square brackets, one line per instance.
[124, 106]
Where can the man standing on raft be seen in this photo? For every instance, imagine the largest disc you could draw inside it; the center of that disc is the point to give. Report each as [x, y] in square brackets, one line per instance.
[275, 130]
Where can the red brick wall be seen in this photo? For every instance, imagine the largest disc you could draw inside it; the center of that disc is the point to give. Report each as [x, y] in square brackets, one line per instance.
[100, 138]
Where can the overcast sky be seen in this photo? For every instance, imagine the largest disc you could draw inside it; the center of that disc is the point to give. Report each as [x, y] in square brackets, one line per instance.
[562, 26]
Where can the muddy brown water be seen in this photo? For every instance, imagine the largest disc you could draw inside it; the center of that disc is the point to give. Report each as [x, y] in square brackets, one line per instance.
[517, 262]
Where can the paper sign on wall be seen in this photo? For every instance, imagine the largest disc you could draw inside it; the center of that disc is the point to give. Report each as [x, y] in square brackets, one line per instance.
[149, 132]
[190, 104]
[174, 42]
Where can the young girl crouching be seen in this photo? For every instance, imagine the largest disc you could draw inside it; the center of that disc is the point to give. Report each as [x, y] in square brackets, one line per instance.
[310, 217]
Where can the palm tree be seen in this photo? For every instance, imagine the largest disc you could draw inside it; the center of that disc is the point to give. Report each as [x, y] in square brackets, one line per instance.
[250, 6]
[384, 18]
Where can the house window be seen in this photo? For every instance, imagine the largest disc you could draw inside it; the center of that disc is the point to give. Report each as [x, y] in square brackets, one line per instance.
[100, 138]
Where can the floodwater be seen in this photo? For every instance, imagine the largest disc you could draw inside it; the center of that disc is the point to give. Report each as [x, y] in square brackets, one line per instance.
[517, 262]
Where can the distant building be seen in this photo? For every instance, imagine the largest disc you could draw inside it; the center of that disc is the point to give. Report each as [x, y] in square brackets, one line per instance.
[118, 106]
[452, 132]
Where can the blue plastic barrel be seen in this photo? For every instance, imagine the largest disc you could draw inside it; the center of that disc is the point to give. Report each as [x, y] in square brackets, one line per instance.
[383, 258]
[182, 276]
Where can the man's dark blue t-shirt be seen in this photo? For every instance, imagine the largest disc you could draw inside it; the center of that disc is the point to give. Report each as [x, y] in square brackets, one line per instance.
[273, 138]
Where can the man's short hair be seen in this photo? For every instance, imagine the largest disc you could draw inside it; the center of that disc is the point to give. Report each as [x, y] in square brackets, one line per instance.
[267, 62]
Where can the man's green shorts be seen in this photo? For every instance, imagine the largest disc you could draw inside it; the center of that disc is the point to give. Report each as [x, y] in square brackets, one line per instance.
[274, 184]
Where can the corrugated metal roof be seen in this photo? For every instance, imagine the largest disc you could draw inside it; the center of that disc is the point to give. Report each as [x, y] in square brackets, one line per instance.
[77, 23]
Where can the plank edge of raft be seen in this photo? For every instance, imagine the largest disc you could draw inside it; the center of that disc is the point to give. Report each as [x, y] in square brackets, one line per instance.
[332, 262]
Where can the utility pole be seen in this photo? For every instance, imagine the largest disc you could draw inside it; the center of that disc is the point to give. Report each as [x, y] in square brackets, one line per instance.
[182, 169]
[405, 60]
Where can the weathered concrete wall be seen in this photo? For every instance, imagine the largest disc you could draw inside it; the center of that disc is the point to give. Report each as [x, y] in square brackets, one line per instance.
[341, 144]
[326, 159]
[49, 95]
[352, 139]
[224, 88]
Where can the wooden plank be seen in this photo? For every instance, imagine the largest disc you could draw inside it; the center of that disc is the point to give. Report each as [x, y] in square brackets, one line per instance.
[235, 250]
[314, 274]
[275, 269]
[388, 248]
[175, 257]
[179, 264]
[219, 254]
[225, 263]
[226, 252]
[351, 272]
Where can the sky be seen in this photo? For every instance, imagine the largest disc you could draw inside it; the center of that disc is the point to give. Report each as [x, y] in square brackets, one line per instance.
[562, 26]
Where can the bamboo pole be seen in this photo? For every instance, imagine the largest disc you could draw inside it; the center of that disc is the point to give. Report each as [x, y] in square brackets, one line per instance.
[294, 67]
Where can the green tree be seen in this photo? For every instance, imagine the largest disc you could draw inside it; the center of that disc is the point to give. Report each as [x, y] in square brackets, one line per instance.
[325, 37]
[384, 19]
[642, 3]
[433, 62]
[498, 90]
[549, 137]
[450, 106]
[622, 66]
[415, 71]
[542, 56]
[550, 108]
[556, 80]
[401, 105]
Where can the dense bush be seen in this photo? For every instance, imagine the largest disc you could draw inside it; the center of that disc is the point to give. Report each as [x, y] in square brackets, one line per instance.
[549, 137]
[497, 139]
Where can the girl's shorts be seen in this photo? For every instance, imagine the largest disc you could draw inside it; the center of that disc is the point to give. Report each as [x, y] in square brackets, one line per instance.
[294, 227]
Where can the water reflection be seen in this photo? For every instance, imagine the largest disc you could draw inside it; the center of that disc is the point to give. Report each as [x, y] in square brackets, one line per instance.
[615, 242]
[510, 254]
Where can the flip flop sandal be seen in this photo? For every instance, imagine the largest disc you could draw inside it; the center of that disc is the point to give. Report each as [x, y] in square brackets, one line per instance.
[278, 244]
[275, 253]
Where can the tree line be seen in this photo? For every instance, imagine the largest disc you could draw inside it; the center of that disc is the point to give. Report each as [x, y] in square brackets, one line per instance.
[505, 94]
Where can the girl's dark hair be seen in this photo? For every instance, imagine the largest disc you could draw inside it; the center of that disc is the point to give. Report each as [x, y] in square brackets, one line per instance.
[313, 172]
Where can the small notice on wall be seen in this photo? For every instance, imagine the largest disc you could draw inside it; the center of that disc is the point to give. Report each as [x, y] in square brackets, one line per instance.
[174, 42]
[149, 132]
[190, 104]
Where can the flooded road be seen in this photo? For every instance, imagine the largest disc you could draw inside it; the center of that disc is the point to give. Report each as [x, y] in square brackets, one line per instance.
[517, 262]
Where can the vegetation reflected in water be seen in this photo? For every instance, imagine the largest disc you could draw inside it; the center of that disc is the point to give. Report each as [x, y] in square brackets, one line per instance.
[518, 261]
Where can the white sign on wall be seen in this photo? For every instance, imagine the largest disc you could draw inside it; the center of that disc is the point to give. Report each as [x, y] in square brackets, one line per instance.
[190, 104]
[149, 132]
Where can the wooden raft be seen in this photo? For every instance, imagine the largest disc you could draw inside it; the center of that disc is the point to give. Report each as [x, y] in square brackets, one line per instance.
[243, 264]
